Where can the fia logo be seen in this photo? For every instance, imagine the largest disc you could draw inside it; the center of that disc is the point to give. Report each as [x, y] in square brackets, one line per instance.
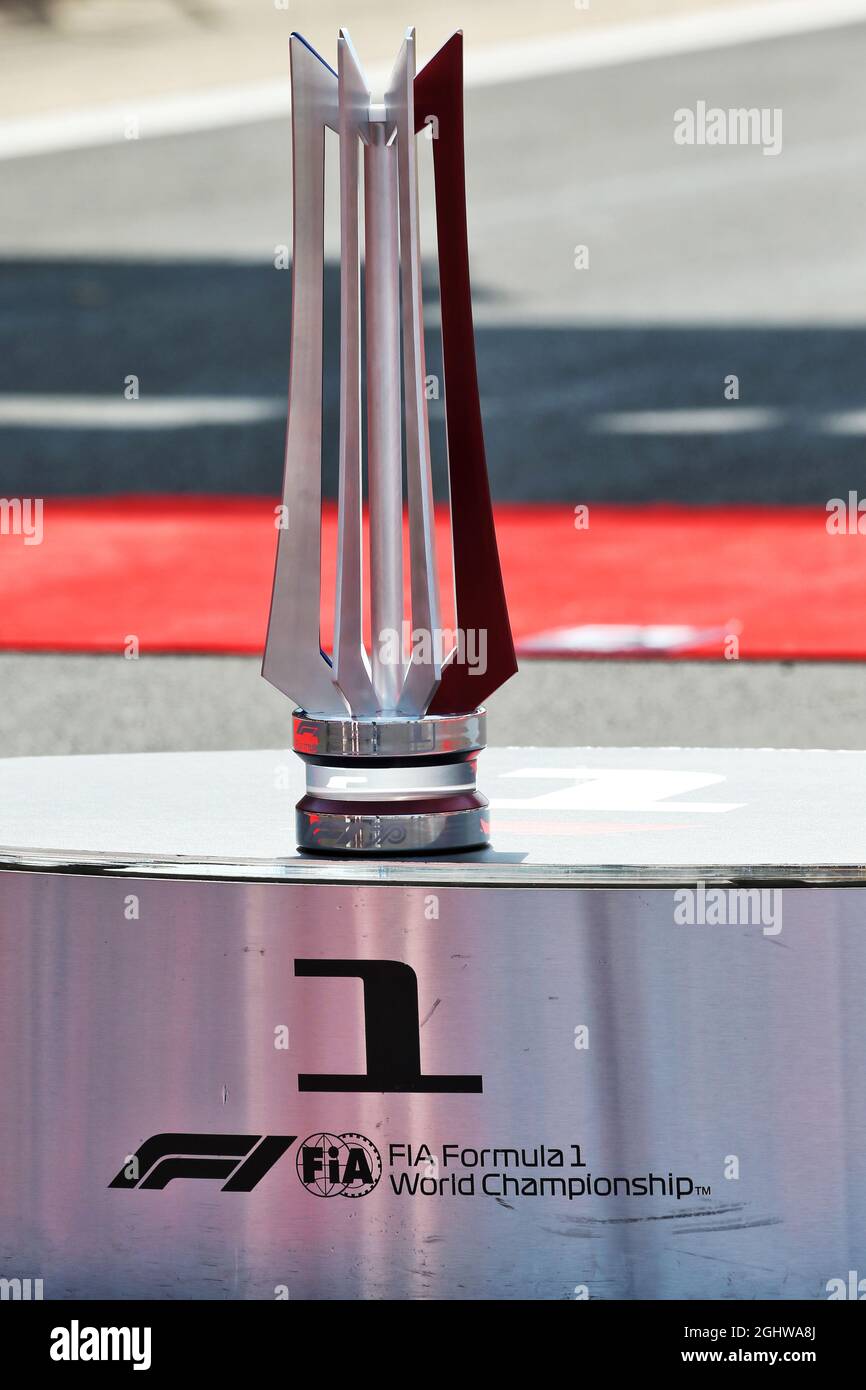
[339, 1165]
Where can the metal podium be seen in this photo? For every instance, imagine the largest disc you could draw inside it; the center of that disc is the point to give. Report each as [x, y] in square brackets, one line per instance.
[619, 1054]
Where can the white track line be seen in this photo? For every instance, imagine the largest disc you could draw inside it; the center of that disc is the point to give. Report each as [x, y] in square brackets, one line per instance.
[849, 422]
[612, 638]
[658, 38]
[514, 61]
[116, 413]
[731, 419]
[48, 412]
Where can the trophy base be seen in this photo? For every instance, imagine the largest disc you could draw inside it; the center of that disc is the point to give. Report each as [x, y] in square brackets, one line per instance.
[391, 785]
[364, 831]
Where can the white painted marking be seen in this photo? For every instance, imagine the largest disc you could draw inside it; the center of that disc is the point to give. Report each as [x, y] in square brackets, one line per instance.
[154, 117]
[657, 38]
[621, 637]
[116, 413]
[615, 789]
[32, 411]
[846, 422]
[732, 419]
[514, 61]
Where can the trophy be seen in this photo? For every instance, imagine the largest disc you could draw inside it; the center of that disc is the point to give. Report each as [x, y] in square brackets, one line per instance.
[389, 728]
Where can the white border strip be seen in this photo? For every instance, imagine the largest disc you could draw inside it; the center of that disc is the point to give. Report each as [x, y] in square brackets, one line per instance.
[517, 60]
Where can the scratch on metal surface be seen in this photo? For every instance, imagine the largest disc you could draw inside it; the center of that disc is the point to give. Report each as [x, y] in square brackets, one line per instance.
[733, 1226]
[720, 1260]
[664, 1216]
[436, 1003]
[569, 1235]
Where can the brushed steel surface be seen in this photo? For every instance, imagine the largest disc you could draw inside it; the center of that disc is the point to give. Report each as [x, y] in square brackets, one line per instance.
[704, 1044]
[293, 659]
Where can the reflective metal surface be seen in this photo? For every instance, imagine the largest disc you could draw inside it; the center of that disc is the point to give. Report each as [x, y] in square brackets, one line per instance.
[346, 828]
[350, 663]
[350, 737]
[724, 1061]
[293, 660]
[403, 787]
[393, 782]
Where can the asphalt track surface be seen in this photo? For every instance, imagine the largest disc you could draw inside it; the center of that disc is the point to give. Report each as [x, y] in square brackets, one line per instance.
[104, 704]
[155, 258]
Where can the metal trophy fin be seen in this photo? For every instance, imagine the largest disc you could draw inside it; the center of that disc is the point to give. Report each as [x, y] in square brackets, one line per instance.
[293, 659]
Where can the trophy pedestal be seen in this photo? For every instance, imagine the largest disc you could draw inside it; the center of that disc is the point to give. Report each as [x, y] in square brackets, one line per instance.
[385, 786]
[618, 1054]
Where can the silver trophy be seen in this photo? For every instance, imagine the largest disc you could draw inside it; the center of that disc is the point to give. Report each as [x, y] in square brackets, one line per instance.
[390, 735]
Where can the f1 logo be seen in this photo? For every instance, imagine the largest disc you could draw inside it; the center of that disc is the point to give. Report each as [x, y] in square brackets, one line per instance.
[243, 1159]
[392, 1031]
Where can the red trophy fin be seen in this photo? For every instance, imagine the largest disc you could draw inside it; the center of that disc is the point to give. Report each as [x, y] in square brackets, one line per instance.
[479, 591]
